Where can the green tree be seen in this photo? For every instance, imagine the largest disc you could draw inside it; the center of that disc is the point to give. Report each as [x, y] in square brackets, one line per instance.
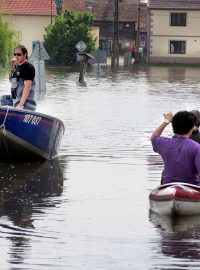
[7, 42]
[67, 30]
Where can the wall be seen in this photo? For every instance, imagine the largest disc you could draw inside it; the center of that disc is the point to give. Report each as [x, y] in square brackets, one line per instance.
[31, 28]
[161, 33]
[95, 34]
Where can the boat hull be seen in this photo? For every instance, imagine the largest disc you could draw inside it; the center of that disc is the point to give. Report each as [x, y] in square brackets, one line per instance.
[28, 135]
[175, 199]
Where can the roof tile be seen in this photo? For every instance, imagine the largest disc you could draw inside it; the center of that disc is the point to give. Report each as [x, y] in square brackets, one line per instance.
[174, 4]
[28, 7]
[104, 9]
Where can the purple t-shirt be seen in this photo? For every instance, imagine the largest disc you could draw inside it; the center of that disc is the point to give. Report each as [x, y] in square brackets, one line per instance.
[181, 158]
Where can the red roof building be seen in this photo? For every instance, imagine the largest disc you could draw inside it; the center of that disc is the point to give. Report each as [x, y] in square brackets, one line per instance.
[28, 7]
[29, 18]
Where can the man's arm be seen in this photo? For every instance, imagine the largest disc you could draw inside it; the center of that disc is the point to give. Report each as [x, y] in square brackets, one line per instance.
[26, 92]
[158, 131]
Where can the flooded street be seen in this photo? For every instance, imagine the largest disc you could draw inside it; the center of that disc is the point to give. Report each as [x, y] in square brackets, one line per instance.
[89, 208]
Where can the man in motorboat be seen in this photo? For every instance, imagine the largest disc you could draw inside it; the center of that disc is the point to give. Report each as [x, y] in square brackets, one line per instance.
[22, 81]
[180, 154]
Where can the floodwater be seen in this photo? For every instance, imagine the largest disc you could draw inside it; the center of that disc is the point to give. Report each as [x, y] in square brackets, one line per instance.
[88, 209]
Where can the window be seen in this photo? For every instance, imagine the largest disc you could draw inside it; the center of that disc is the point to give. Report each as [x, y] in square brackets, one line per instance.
[178, 19]
[125, 26]
[177, 47]
[121, 26]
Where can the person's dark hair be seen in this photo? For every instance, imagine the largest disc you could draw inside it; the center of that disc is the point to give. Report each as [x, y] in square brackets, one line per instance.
[23, 49]
[183, 122]
[197, 114]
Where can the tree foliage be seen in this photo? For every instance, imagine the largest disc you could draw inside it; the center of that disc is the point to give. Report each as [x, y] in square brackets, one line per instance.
[67, 30]
[8, 41]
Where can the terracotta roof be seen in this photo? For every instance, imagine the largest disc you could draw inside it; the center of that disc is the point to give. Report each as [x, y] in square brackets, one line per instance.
[174, 4]
[28, 7]
[104, 9]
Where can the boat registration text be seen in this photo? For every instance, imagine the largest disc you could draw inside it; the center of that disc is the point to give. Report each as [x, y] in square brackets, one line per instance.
[32, 119]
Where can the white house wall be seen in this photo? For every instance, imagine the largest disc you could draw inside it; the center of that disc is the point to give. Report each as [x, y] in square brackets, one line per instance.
[31, 28]
[161, 33]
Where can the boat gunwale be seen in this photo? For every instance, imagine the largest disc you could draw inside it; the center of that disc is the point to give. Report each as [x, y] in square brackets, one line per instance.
[177, 183]
[174, 199]
[5, 108]
[172, 196]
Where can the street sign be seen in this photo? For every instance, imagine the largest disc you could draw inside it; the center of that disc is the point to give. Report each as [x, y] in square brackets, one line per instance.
[81, 46]
[99, 57]
[39, 52]
[143, 40]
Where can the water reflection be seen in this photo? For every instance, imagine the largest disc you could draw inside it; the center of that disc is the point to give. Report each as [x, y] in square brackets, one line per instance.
[172, 74]
[101, 217]
[25, 185]
[179, 237]
[25, 190]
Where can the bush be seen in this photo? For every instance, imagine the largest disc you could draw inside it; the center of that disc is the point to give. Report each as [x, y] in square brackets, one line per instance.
[67, 30]
[8, 41]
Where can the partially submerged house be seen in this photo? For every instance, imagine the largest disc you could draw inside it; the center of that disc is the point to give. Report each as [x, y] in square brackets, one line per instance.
[131, 15]
[173, 31]
[29, 18]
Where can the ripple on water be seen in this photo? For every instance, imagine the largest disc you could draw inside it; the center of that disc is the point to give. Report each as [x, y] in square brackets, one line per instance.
[89, 208]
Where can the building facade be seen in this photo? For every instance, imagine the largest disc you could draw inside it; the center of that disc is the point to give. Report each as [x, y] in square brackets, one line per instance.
[173, 31]
[29, 18]
[131, 20]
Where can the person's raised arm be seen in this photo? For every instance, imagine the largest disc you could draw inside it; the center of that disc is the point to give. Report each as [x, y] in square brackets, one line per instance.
[158, 131]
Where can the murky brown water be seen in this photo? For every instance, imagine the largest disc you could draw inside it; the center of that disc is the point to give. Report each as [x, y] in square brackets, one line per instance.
[88, 209]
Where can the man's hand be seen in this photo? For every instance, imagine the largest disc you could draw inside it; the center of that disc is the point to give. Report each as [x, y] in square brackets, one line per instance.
[20, 106]
[168, 116]
[158, 131]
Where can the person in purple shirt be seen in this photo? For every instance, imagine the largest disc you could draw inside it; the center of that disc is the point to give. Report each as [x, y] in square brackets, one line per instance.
[181, 155]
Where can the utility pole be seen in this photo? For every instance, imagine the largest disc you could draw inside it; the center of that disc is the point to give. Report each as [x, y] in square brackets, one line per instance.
[115, 45]
[138, 27]
[51, 11]
[59, 4]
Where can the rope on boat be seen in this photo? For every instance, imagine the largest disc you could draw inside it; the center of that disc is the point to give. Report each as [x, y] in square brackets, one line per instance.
[2, 126]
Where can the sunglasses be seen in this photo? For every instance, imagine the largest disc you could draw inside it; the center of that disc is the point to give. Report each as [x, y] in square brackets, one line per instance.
[17, 54]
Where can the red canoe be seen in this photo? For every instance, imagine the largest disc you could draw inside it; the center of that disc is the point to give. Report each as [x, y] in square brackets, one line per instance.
[175, 199]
